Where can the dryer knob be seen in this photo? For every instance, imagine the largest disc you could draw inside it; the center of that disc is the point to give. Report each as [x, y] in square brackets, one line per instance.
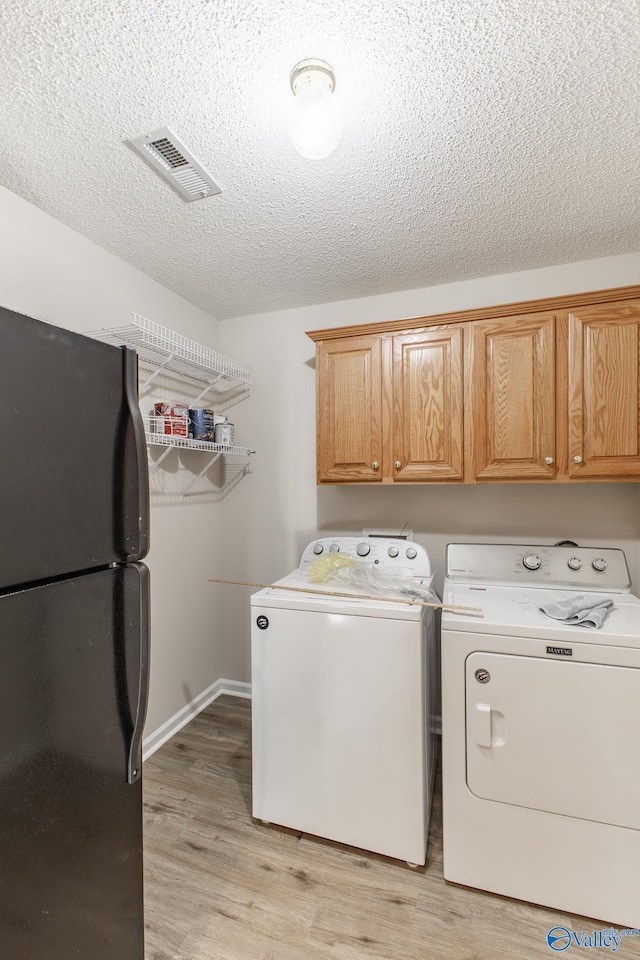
[318, 548]
[532, 561]
[600, 564]
[334, 548]
[363, 549]
[411, 553]
[393, 551]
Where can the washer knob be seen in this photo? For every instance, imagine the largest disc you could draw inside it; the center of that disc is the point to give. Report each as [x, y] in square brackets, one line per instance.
[532, 561]
[363, 549]
[318, 548]
[393, 551]
[334, 548]
[411, 553]
[599, 564]
[574, 563]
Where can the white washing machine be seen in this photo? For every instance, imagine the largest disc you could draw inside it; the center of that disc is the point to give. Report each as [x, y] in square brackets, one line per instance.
[541, 726]
[342, 691]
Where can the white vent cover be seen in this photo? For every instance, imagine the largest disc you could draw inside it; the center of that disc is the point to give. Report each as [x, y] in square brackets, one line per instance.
[170, 157]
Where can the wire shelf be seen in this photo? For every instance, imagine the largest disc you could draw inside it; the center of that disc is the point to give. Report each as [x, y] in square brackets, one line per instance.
[172, 432]
[172, 351]
[161, 350]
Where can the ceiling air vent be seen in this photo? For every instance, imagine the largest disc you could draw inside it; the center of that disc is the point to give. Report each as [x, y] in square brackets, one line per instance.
[170, 157]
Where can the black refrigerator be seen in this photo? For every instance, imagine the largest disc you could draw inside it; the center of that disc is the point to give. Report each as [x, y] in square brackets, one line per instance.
[74, 645]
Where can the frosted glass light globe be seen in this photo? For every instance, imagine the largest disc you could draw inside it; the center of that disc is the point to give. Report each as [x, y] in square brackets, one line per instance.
[315, 120]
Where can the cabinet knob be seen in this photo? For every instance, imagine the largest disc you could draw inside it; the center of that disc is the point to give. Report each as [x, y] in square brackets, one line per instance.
[577, 459]
[548, 460]
[375, 465]
[397, 464]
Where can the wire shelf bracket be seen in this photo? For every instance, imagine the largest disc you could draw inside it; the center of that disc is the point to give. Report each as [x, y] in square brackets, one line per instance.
[171, 433]
[207, 466]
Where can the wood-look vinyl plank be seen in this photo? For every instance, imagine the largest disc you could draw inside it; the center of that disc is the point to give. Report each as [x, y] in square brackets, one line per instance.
[154, 952]
[222, 886]
[236, 880]
[286, 951]
[471, 923]
[208, 784]
[176, 903]
[330, 872]
[166, 801]
[269, 918]
[227, 941]
[362, 927]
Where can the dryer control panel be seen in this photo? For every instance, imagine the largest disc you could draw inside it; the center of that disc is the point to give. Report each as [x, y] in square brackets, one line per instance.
[583, 568]
[387, 552]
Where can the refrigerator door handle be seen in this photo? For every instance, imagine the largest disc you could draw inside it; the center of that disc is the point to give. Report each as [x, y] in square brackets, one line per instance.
[134, 758]
[130, 380]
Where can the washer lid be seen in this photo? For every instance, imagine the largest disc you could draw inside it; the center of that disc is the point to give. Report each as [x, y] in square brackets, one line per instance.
[289, 600]
[513, 611]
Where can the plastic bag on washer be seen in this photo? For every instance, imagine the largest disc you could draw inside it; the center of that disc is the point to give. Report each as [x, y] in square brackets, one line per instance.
[364, 577]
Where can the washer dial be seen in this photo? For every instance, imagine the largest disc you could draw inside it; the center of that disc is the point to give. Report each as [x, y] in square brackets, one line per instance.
[574, 563]
[532, 561]
[411, 553]
[393, 551]
[318, 548]
[363, 549]
[600, 564]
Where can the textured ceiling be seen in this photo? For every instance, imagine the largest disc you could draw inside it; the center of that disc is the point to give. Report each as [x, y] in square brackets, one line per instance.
[480, 137]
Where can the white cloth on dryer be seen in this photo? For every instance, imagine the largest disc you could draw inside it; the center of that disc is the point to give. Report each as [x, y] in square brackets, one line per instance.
[584, 610]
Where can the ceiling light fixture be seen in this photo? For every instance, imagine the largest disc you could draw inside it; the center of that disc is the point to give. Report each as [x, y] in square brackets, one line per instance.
[315, 121]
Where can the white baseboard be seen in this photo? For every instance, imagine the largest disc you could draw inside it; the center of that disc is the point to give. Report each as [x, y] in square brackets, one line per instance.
[234, 688]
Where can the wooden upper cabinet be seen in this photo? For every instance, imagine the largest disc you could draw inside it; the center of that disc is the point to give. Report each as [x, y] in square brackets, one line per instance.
[349, 407]
[513, 398]
[604, 395]
[547, 390]
[427, 426]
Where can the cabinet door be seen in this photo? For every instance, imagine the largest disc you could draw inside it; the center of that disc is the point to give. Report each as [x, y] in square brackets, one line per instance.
[604, 398]
[513, 398]
[349, 404]
[428, 432]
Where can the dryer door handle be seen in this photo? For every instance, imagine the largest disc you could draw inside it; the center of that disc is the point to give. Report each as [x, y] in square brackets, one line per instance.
[483, 725]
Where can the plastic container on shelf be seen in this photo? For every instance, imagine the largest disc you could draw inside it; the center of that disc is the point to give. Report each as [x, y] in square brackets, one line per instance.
[225, 432]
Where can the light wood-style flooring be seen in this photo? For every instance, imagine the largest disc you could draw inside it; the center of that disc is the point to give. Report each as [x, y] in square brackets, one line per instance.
[220, 886]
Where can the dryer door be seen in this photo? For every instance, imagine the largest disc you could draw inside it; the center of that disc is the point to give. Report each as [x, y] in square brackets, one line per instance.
[555, 736]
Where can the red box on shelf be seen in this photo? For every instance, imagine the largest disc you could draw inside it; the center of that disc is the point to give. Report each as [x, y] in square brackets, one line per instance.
[171, 418]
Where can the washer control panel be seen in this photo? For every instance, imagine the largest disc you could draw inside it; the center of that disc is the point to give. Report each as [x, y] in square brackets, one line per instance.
[382, 551]
[585, 568]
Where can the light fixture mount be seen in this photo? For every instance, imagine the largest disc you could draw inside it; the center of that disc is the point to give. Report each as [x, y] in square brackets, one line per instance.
[312, 71]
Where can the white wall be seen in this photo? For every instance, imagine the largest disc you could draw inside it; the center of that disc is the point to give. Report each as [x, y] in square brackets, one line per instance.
[50, 272]
[278, 509]
[257, 532]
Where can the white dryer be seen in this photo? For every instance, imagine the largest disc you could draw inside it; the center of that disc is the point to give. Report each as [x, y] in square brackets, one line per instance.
[342, 689]
[541, 725]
